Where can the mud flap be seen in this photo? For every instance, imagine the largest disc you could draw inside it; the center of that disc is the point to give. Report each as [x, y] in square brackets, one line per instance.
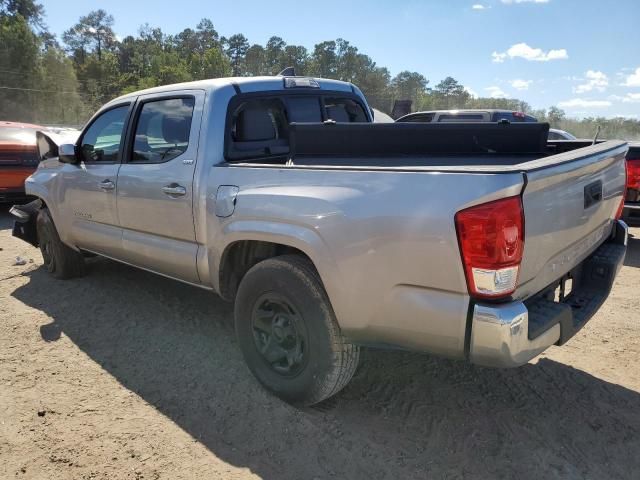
[24, 227]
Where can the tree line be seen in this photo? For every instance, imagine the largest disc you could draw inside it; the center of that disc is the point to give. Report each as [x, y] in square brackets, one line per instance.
[62, 80]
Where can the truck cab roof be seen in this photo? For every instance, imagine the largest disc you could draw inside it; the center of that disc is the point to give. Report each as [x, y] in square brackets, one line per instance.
[249, 85]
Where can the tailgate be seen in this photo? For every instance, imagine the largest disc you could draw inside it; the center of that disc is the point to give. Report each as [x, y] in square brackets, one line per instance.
[570, 201]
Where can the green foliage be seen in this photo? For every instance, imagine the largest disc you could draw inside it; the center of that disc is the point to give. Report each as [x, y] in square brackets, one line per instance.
[42, 83]
[38, 82]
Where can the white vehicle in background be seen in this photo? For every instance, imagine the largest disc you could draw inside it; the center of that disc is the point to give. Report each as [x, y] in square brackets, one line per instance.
[473, 115]
[557, 134]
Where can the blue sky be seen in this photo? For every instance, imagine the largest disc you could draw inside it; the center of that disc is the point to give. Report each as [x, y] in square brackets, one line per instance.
[583, 55]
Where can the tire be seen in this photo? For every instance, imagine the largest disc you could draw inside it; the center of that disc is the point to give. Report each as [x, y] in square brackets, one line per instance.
[288, 333]
[60, 260]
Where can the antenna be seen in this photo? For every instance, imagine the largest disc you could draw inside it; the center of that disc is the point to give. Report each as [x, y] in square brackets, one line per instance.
[596, 137]
[288, 72]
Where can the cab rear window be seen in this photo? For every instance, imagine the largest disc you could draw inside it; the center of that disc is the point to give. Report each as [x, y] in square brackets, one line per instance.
[513, 117]
[463, 117]
[258, 128]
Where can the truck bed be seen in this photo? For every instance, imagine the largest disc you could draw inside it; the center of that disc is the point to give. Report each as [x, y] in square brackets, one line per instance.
[382, 199]
[488, 147]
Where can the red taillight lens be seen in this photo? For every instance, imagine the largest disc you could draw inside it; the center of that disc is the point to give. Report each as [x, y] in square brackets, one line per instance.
[491, 238]
[630, 166]
[633, 173]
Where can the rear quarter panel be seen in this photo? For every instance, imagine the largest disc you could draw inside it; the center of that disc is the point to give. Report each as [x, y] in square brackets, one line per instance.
[384, 242]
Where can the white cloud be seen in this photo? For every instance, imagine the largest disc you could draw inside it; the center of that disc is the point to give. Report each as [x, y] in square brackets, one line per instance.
[632, 98]
[595, 80]
[509, 2]
[633, 80]
[495, 92]
[479, 6]
[498, 57]
[471, 92]
[521, 84]
[522, 50]
[628, 98]
[583, 103]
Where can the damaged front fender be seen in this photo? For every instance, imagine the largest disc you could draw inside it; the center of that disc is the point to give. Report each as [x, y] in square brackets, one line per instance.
[25, 224]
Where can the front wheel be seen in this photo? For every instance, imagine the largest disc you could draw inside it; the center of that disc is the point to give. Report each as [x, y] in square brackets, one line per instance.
[60, 260]
[288, 333]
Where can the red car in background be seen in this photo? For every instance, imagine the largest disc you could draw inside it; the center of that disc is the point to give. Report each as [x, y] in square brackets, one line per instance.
[18, 158]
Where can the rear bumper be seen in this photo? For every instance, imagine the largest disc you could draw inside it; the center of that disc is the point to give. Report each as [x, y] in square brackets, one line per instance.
[631, 213]
[511, 334]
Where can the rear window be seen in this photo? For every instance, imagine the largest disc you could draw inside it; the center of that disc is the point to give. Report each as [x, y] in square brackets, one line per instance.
[463, 117]
[304, 109]
[513, 117]
[258, 128]
[344, 110]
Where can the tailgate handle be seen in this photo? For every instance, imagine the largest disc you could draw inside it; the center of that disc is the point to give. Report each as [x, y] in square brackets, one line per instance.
[592, 193]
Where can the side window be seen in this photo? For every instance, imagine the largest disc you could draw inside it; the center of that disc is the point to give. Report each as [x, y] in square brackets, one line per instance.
[554, 136]
[101, 141]
[419, 118]
[162, 130]
[344, 110]
[258, 128]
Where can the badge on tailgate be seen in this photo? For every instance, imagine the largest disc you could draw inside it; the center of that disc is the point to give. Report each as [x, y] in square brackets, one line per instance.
[592, 193]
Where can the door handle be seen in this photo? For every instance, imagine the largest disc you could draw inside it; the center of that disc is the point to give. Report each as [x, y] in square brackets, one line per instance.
[107, 185]
[174, 190]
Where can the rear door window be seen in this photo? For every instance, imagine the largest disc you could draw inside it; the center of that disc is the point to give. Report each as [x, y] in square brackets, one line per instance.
[162, 130]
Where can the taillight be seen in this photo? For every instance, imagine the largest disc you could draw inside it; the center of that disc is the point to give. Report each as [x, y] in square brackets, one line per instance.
[633, 173]
[627, 182]
[491, 237]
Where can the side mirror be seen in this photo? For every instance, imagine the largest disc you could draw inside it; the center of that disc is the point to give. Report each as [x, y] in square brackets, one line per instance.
[67, 154]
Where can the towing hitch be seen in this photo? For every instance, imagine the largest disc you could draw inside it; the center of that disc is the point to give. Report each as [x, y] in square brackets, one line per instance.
[24, 227]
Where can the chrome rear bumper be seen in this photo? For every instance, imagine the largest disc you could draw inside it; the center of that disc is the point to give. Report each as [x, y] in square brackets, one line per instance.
[511, 334]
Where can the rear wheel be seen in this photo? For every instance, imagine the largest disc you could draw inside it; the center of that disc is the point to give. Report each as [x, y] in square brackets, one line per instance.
[288, 333]
[60, 260]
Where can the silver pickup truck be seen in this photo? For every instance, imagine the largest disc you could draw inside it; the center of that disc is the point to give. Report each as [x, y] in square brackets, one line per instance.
[473, 241]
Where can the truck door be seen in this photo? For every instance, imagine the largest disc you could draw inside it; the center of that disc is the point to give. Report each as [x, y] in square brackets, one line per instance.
[86, 193]
[155, 184]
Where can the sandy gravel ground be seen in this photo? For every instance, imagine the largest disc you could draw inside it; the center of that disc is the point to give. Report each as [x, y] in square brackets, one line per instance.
[127, 375]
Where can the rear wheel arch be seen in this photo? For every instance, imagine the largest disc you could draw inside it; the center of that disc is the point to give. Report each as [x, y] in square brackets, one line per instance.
[241, 255]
